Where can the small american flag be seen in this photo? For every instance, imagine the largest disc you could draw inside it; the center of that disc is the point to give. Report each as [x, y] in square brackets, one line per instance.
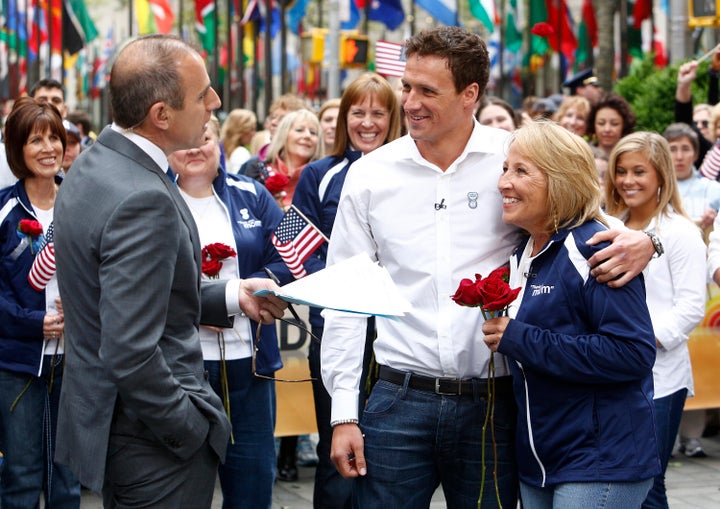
[389, 58]
[296, 239]
[43, 268]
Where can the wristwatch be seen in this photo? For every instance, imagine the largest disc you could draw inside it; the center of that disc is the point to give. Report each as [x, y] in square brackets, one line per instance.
[657, 243]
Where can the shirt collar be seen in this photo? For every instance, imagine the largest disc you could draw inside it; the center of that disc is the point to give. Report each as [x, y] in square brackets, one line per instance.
[147, 146]
[483, 140]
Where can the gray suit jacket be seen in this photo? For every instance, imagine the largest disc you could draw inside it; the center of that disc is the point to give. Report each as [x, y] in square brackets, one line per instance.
[128, 265]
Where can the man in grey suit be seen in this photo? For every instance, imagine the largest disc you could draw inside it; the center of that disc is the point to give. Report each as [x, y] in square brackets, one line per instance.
[138, 420]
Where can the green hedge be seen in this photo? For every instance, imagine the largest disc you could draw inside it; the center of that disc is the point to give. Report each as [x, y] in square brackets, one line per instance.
[651, 92]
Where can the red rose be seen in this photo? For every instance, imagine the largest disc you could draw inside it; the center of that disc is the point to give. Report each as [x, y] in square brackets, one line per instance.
[542, 29]
[30, 227]
[276, 183]
[499, 273]
[218, 251]
[467, 294]
[211, 267]
[495, 294]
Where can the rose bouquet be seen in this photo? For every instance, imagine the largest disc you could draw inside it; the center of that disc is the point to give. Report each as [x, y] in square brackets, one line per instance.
[212, 256]
[493, 296]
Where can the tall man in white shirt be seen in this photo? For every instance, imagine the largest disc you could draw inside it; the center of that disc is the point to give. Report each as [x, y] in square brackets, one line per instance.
[426, 207]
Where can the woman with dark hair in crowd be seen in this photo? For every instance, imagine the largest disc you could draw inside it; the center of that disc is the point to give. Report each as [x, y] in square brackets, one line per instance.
[31, 320]
[495, 112]
[609, 120]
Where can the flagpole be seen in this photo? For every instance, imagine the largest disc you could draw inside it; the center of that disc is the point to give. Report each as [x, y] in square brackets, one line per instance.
[268, 92]
[501, 51]
[255, 89]
[228, 102]
[561, 55]
[333, 51]
[623, 39]
[240, 57]
[412, 18]
[216, 52]
[284, 81]
[131, 15]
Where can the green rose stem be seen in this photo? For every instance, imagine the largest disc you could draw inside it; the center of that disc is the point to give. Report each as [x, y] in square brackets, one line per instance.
[53, 362]
[490, 418]
[224, 381]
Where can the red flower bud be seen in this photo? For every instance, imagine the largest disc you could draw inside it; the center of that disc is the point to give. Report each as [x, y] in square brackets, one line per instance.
[276, 183]
[30, 227]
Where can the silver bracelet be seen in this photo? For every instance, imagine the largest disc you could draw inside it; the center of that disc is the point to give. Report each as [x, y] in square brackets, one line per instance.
[343, 421]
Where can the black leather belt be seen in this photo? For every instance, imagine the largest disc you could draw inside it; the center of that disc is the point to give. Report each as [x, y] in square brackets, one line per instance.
[444, 386]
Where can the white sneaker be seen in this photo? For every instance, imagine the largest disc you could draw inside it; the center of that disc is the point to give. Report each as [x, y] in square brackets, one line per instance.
[693, 449]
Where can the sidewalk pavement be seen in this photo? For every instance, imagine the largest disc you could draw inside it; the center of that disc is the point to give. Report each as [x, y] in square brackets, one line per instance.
[692, 483]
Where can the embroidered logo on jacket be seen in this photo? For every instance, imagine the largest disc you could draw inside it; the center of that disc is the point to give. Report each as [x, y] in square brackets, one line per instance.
[541, 289]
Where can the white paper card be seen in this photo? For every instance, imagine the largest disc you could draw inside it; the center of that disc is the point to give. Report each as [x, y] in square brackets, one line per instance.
[355, 285]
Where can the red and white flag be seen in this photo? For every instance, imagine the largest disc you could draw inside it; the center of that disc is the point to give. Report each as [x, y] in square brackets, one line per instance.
[296, 239]
[389, 58]
[43, 267]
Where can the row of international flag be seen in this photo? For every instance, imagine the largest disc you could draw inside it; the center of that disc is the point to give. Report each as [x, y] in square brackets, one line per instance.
[62, 28]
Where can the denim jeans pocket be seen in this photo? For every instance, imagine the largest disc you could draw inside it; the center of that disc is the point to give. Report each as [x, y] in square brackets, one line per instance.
[382, 398]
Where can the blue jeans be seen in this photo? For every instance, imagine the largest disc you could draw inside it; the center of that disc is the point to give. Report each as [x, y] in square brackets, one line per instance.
[331, 490]
[27, 435]
[585, 495]
[248, 474]
[668, 412]
[416, 440]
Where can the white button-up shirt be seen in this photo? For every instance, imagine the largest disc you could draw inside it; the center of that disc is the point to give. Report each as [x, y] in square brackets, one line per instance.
[429, 229]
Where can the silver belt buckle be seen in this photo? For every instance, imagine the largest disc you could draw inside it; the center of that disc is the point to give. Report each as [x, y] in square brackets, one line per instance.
[441, 393]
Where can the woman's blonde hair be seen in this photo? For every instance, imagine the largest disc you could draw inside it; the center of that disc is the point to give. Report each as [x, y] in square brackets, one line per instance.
[579, 103]
[573, 191]
[237, 125]
[277, 144]
[657, 150]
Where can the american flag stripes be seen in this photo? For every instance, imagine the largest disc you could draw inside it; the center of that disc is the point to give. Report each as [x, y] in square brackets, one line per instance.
[389, 58]
[296, 239]
[43, 268]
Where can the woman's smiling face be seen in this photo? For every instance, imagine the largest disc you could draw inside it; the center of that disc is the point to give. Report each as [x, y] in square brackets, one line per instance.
[368, 124]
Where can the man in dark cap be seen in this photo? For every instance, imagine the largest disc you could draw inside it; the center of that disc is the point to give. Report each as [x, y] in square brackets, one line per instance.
[585, 84]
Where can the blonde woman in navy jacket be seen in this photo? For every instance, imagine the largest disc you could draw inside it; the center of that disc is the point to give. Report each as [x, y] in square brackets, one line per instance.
[581, 353]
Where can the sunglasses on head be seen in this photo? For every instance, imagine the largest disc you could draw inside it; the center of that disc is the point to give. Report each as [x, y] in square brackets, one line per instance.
[702, 123]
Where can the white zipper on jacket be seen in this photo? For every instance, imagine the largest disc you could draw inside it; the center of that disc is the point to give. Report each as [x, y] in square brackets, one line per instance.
[45, 341]
[529, 426]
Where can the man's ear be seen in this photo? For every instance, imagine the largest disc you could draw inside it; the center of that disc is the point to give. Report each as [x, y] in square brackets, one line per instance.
[470, 94]
[159, 115]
